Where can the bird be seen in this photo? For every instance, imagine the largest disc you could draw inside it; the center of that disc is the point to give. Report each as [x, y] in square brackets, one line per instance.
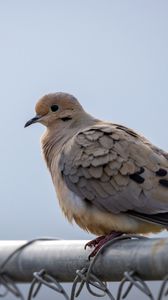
[109, 179]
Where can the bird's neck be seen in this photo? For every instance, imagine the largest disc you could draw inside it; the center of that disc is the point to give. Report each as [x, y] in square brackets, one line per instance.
[52, 142]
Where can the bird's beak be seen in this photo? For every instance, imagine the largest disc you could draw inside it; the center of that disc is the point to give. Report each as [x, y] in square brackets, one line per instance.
[32, 121]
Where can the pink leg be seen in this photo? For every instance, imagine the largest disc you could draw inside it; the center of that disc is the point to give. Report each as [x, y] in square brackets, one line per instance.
[100, 241]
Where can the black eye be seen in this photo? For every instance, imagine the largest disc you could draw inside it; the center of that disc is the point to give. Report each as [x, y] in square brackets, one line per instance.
[54, 107]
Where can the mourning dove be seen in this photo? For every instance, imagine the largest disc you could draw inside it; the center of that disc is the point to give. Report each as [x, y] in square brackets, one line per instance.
[107, 177]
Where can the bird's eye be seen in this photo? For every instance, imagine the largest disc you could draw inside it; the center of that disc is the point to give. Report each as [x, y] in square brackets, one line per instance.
[54, 107]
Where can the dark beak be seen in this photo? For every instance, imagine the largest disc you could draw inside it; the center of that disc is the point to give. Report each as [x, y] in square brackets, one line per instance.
[32, 121]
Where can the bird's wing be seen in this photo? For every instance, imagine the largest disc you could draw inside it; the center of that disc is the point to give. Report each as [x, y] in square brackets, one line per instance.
[112, 167]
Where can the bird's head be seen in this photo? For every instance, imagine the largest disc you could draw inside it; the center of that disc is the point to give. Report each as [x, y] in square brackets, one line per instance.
[57, 108]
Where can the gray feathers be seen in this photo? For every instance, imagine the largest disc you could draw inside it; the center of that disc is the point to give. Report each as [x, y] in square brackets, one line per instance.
[117, 170]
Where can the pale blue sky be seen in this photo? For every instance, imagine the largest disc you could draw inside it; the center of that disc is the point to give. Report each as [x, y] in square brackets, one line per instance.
[112, 55]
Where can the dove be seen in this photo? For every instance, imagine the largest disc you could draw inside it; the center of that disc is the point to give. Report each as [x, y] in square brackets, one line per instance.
[108, 178]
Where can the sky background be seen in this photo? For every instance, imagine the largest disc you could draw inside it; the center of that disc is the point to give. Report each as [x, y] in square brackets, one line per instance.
[111, 55]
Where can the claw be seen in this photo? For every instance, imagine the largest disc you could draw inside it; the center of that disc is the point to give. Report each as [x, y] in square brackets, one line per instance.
[94, 242]
[100, 241]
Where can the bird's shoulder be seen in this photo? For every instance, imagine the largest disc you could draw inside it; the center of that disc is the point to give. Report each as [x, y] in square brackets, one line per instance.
[108, 139]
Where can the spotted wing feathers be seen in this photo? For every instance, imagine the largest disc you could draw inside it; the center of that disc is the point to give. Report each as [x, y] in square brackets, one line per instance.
[117, 170]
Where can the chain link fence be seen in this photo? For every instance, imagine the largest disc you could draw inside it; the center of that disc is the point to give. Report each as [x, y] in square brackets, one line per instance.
[132, 260]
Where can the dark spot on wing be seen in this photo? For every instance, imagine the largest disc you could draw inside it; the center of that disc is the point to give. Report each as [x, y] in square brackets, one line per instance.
[87, 201]
[137, 178]
[161, 172]
[142, 170]
[163, 182]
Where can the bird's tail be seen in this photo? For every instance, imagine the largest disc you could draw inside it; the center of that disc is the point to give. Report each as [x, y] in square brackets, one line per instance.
[161, 218]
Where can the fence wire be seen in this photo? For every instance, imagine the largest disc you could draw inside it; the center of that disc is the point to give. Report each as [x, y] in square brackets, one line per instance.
[84, 278]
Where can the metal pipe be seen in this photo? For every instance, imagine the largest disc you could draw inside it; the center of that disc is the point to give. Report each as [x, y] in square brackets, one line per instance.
[61, 259]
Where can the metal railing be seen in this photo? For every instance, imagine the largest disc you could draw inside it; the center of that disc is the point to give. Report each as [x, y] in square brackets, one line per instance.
[51, 262]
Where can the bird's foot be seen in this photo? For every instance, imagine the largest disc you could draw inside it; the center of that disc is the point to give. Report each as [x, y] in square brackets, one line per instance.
[95, 242]
[100, 241]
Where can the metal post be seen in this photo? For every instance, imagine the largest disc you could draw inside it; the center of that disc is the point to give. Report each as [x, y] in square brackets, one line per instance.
[61, 259]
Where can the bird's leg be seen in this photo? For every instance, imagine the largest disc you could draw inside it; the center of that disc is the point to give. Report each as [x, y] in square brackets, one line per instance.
[100, 241]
